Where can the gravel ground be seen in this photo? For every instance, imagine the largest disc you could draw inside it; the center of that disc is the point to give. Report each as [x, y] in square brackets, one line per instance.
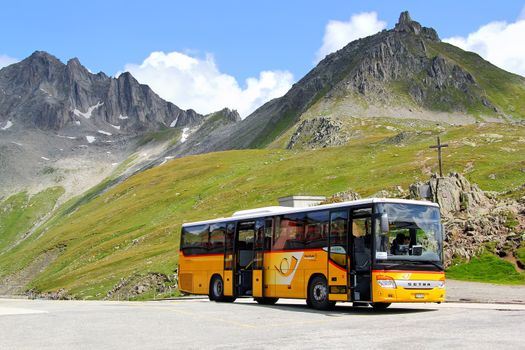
[460, 291]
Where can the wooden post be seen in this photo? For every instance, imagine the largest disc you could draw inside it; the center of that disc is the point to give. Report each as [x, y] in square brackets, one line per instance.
[439, 146]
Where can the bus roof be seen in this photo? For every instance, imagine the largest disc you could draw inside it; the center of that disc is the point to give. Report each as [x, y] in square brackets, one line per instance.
[277, 210]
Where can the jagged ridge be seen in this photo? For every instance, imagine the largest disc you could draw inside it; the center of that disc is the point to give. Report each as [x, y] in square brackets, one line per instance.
[42, 92]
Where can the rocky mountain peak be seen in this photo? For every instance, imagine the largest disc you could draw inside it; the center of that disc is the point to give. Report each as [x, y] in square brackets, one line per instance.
[44, 93]
[405, 24]
[42, 56]
[74, 62]
[230, 114]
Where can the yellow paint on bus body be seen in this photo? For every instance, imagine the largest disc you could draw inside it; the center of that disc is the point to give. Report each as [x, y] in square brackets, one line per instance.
[285, 274]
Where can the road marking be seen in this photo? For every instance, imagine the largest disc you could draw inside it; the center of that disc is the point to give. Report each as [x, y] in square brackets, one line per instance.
[19, 311]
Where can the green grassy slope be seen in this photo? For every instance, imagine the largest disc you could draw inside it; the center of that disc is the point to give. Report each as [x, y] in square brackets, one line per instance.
[134, 227]
[504, 89]
[20, 212]
[487, 268]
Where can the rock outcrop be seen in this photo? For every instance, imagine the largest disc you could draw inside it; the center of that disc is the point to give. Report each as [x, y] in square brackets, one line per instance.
[135, 285]
[320, 132]
[473, 220]
[407, 25]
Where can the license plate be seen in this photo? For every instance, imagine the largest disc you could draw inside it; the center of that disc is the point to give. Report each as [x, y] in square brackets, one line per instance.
[420, 296]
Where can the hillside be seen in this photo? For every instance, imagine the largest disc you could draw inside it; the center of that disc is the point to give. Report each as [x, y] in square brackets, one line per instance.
[94, 243]
[403, 73]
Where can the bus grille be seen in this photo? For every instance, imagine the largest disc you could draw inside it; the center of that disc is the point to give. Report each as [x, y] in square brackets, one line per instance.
[186, 281]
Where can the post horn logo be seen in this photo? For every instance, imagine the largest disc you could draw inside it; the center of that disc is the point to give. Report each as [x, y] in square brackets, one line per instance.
[286, 268]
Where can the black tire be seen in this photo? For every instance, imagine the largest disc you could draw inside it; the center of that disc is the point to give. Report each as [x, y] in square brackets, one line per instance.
[318, 294]
[216, 289]
[380, 306]
[266, 301]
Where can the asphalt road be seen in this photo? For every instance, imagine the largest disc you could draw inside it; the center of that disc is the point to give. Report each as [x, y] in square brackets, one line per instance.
[200, 324]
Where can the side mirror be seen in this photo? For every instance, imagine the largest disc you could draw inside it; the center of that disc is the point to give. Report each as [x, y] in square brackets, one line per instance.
[384, 223]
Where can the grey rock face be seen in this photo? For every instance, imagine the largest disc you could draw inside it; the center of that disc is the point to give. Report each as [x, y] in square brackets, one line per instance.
[319, 132]
[407, 25]
[472, 219]
[42, 92]
[455, 193]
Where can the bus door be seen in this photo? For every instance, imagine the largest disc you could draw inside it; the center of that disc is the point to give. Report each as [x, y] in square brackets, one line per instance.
[338, 256]
[229, 260]
[244, 257]
[361, 257]
[258, 255]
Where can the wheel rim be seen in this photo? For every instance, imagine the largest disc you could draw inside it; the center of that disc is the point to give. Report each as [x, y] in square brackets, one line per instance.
[319, 292]
[217, 287]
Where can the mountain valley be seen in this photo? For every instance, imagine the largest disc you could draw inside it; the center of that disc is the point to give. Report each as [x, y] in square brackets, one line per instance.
[98, 173]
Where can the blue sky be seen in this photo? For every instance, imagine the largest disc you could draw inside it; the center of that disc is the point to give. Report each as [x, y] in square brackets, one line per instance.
[243, 38]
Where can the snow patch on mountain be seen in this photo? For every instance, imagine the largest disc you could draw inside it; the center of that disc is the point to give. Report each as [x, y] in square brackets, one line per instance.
[7, 125]
[88, 113]
[185, 134]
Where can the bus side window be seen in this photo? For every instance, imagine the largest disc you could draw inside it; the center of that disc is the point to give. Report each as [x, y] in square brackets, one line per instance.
[316, 235]
[217, 233]
[293, 227]
[195, 239]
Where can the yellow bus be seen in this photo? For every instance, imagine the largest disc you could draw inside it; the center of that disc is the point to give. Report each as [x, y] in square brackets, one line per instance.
[370, 252]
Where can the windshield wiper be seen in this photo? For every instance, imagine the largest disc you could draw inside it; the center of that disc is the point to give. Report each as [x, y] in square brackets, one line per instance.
[408, 262]
[436, 264]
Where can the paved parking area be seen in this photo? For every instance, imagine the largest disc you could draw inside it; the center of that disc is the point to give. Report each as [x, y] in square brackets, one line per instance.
[198, 324]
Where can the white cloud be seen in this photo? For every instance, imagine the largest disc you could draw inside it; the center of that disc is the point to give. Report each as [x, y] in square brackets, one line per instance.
[337, 34]
[196, 83]
[6, 61]
[499, 43]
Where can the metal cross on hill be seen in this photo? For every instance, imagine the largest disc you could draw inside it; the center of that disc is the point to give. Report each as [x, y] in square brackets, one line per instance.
[439, 146]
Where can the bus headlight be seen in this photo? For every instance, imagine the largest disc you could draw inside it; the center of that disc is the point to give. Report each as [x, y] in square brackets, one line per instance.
[385, 281]
[441, 283]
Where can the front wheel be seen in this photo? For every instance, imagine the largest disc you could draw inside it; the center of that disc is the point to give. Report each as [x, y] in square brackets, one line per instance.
[318, 294]
[266, 301]
[380, 306]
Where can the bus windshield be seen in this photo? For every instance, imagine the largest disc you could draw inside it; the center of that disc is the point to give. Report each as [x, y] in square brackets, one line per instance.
[414, 233]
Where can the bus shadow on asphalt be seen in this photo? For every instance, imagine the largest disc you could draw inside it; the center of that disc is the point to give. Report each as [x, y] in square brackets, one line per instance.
[342, 310]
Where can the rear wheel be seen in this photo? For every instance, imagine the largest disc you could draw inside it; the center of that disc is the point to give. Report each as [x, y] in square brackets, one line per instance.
[380, 306]
[318, 294]
[216, 288]
[266, 301]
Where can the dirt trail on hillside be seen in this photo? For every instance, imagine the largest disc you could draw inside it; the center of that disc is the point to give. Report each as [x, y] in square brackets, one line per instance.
[16, 284]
